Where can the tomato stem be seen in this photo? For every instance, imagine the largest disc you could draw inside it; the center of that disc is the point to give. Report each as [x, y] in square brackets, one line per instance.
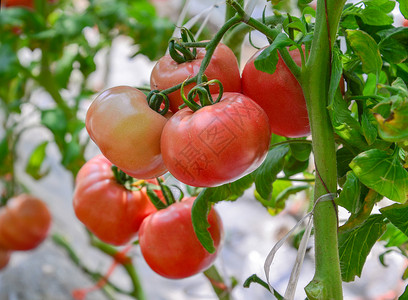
[218, 283]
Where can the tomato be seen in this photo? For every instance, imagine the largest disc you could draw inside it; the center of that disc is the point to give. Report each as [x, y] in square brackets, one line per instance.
[280, 95]
[24, 223]
[4, 258]
[127, 131]
[109, 210]
[169, 244]
[223, 66]
[19, 3]
[216, 144]
[405, 23]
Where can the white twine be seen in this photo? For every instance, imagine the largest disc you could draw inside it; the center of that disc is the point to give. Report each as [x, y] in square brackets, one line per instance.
[294, 276]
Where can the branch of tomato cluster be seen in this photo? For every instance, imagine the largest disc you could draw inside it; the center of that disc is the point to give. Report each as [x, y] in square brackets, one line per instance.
[270, 33]
[218, 283]
[94, 276]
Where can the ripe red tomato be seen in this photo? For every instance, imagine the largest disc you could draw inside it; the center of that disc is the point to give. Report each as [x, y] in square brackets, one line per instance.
[109, 210]
[19, 3]
[4, 258]
[169, 244]
[24, 223]
[280, 95]
[223, 66]
[216, 144]
[127, 131]
[405, 23]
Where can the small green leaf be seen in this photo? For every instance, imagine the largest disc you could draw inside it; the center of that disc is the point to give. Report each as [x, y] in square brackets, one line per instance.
[203, 202]
[403, 6]
[266, 174]
[277, 187]
[394, 44]
[4, 150]
[398, 216]
[393, 236]
[349, 197]
[33, 167]
[336, 71]
[367, 49]
[368, 126]
[383, 173]
[293, 166]
[343, 156]
[301, 151]
[267, 60]
[355, 245]
[55, 120]
[376, 17]
[64, 67]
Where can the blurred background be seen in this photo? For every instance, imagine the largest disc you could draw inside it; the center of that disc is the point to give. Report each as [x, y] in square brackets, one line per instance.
[55, 57]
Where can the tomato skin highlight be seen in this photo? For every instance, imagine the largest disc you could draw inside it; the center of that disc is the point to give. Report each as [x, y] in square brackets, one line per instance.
[223, 66]
[24, 223]
[169, 244]
[217, 144]
[280, 95]
[127, 131]
[109, 210]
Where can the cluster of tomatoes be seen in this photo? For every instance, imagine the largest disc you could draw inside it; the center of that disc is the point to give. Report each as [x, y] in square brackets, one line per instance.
[201, 146]
[24, 223]
[116, 208]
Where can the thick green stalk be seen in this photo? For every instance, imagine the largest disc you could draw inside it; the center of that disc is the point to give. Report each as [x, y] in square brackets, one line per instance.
[315, 79]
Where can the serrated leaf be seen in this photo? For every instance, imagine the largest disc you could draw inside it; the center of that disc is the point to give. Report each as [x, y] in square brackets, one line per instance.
[266, 174]
[267, 60]
[367, 50]
[398, 216]
[33, 167]
[349, 197]
[383, 173]
[206, 198]
[355, 245]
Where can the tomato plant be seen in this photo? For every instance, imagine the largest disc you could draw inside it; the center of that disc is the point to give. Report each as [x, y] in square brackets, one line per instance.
[106, 207]
[24, 223]
[279, 94]
[4, 258]
[222, 66]
[218, 143]
[169, 244]
[127, 131]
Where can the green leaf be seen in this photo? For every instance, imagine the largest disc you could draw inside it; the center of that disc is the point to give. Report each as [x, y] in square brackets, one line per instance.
[301, 151]
[355, 245]
[33, 167]
[393, 236]
[403, 6]
[266, 174]
[203, 202]
[394, 44]
[343, 156]
[55, 120]
[349, 197]
[64, 67]
[267, 60]
[4, 150]
[394, 128]
[277, 187]
[9, 64]
[375, 16]
[398, 216]
[383, 173]
[345, 125]
[367, 49]
[336, 71]
[368, 126]
[293, 166]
